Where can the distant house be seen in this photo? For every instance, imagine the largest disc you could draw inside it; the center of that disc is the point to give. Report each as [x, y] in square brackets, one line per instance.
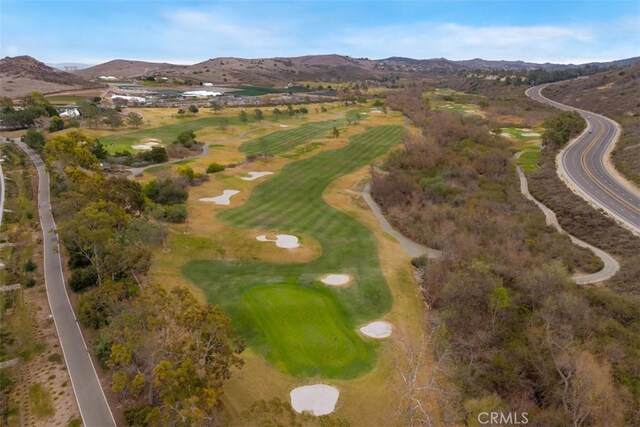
[138, 99]
[207, 84]
[68, 113]
[108, 78]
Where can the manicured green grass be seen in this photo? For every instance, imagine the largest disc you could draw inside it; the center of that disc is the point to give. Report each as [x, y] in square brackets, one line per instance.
[519, 134]
[283, 140]
[529, 158]
[303, 332]
[65, 99]
[291, 202]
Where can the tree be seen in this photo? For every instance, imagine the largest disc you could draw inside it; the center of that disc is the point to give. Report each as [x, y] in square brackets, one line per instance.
[264, 146]
[90, 234]
[258, 114]
[223, 124]
[193, 109]
[165, 192]
[244, 117]
[90, 113]
[98, 150]
[56, 124]
[335, 132]
[35, 99]
[134, 119]
[125, 193]
[112, 118]
[216, 106]
[181, 112]
[186, 138]
[6, 104]
[34, 139]
[70, 150]
[172, 353]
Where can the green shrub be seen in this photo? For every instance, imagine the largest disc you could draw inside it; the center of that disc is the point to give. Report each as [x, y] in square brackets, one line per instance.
[141, 416]
[55, 357]
[30, 282]
[214, 167]
[83, 278]
[29, 266]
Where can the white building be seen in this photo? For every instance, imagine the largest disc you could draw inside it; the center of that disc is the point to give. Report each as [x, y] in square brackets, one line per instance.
[137, 99]
[207, 84]
[71, 112]
[108, 78]
[201, 94]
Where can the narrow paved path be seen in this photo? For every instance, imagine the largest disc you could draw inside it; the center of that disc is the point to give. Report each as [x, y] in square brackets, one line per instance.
[610, 267]
[585, 165]
[92, 402]
[413, 249]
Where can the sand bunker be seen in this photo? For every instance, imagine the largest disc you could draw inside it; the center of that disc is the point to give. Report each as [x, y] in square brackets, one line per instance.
[377, 329]
[223, 199]
[317, 399]
[376, 111]
[530, 134]
[255, 175]
[506, 135]
[284, 126]
[147, 146]
[286, 241]
[336, 279]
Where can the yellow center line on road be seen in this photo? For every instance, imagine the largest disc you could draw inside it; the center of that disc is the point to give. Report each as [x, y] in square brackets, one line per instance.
[600, 184]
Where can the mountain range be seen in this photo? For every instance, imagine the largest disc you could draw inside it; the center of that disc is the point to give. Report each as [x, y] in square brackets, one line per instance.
[19, 75]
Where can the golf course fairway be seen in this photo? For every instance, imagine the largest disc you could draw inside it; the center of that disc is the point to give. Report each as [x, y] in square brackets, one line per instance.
[291, 202]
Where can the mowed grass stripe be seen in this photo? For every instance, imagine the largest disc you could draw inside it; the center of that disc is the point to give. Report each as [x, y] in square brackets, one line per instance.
[291, 202]
[281, 141]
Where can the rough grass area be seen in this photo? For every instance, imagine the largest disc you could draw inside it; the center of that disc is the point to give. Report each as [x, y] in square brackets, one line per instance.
[166, 134]
[522, 134]
[291, 202]
[40, 401]
[303, 332]
[529, 158]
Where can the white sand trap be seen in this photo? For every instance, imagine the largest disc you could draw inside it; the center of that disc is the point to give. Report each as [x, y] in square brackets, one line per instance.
[377, 329]
[506, 135]
[223, 199]
[286, 241]
[318, 399]
[530, 134]
[255, 175]
[147, 146]
[376, 112]
[470, 111]
[336, 279]
[284, 126]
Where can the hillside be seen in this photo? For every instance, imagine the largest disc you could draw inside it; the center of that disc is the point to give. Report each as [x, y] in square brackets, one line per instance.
[331, 68]
[23, 74]
[616, 94]
[123, 68]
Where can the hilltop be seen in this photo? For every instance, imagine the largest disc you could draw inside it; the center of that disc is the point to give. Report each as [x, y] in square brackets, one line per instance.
[23, 74]
[332, 68]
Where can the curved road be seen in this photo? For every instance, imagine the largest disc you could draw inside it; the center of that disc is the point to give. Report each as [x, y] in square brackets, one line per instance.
[585, 166]
[94, 409]
[610, 265]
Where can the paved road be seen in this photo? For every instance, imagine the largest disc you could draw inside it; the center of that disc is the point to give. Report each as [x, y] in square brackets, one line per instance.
[610, 265]
[586, 167]
[413, 249]
[92, 402]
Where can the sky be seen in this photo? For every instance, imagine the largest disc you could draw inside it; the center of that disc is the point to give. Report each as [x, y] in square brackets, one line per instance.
[187, 32]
